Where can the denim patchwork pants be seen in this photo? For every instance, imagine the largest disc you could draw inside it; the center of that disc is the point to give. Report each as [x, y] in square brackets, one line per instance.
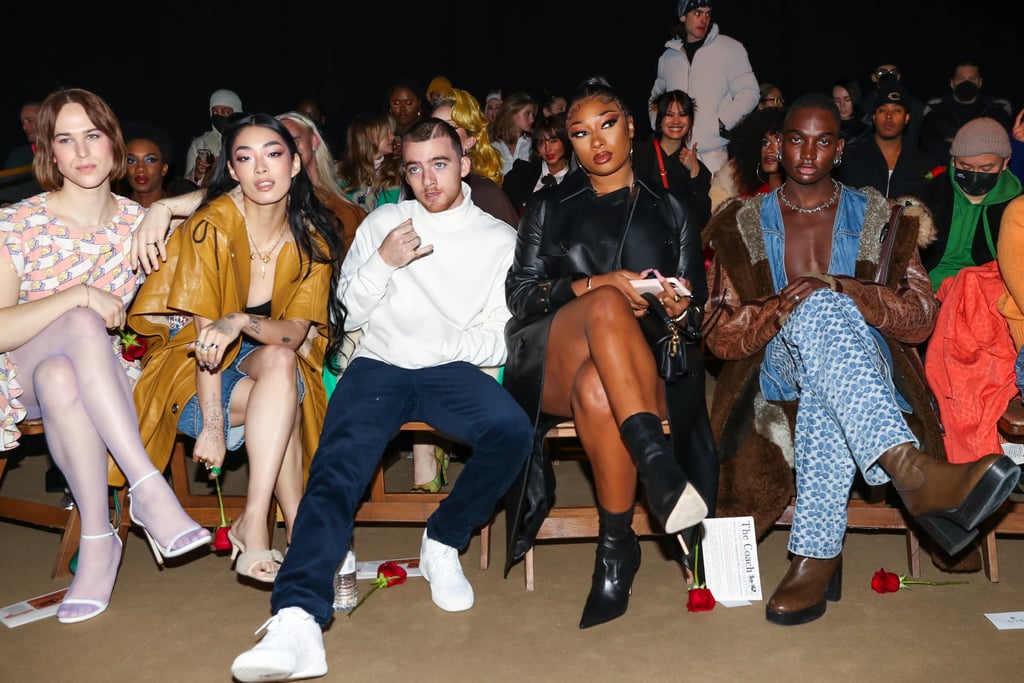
[847, 417]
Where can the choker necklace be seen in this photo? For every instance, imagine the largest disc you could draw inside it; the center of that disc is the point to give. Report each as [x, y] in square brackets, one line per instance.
[264, 255]
[820, 207]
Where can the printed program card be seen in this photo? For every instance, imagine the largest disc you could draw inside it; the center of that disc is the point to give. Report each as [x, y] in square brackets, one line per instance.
[33, 609]
[731, 567]
[368, 570]
[1007, 621]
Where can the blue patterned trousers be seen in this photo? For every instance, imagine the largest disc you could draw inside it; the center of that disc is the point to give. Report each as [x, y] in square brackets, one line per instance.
[847, 415]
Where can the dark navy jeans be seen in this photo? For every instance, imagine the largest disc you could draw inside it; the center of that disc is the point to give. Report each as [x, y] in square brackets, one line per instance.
[372, 400]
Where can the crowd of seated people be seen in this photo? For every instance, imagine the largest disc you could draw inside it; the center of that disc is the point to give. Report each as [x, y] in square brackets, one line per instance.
[451, 240]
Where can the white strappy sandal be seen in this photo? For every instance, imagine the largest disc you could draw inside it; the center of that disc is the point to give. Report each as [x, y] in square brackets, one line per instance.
[159, 551]
[101, 607]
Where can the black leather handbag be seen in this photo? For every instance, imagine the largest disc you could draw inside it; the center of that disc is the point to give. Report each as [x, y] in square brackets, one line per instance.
[664, 339]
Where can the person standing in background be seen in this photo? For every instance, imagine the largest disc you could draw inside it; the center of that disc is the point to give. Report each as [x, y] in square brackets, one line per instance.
[204, 149]
[715, 71]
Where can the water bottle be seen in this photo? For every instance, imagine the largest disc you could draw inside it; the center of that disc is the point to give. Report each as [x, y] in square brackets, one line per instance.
[346, 591]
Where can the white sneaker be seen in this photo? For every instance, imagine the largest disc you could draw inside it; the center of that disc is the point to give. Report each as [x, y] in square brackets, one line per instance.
[440, 566]
[293, 648]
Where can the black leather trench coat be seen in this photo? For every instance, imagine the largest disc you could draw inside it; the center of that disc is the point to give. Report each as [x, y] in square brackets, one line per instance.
[568, 233]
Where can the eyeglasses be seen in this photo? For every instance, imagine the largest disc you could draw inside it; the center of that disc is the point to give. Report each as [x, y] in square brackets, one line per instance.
[882, 73]
[777, 101]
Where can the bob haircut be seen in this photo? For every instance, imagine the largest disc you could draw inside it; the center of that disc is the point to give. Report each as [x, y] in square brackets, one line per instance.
[102, 117]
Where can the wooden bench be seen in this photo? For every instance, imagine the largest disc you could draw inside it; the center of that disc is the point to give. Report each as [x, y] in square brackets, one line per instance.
[383, 506]
[55, 517]
[581, 522]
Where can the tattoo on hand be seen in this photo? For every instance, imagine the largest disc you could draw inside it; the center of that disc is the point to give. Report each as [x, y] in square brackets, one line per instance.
[286, 340]
[221, 325]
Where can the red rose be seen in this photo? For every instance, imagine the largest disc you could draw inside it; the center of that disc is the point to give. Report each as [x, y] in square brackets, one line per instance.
[388, 574]
[700, 600]
[392, 573]
[885, 582]
[220, 539]
[133, 346]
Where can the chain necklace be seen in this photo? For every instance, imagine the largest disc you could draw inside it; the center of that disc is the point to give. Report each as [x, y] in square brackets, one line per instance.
[264, 255]
[820, 207]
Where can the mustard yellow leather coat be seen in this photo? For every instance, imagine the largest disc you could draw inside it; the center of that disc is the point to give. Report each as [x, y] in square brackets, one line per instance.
[207, 274]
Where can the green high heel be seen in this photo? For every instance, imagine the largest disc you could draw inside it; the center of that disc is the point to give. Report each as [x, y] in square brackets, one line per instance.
[440, 478]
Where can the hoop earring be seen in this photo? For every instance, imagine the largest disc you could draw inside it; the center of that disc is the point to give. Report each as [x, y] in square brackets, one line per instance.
[838, 160]
[760, 175]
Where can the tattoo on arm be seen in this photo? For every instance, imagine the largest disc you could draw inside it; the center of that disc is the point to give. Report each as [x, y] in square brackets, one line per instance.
[221, 325]
[286, 340]
[254, 324]
[212, 416]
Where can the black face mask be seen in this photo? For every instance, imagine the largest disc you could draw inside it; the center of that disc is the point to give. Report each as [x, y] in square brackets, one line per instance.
[219, 122]
[965, 91]
[975, 183]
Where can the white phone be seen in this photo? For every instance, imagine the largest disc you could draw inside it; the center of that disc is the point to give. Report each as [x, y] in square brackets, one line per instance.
[653, 286]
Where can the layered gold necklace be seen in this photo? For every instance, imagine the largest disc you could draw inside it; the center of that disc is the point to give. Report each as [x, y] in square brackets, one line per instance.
[265, 254]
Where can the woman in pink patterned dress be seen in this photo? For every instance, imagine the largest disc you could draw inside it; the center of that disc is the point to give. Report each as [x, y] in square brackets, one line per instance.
[64, 282]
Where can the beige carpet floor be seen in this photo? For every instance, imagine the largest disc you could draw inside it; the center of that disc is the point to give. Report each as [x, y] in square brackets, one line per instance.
[187, 622]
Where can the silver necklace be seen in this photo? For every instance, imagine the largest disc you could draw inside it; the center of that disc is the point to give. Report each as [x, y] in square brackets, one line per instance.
[820, 207]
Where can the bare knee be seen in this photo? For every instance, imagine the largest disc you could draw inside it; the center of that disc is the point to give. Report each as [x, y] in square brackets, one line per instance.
[608, 303]
[276, 359]
[588, 394]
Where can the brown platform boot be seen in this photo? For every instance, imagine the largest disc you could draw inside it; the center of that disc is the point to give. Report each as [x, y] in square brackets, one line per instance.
[949, 500]
[801, 595]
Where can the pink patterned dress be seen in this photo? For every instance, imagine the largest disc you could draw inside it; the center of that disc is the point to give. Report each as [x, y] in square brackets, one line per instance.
[50, 257]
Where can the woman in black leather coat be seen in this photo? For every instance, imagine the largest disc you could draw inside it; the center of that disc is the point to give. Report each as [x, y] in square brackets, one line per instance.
[580, 244]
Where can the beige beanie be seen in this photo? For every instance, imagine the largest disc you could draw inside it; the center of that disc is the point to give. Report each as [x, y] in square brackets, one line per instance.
[981, 136]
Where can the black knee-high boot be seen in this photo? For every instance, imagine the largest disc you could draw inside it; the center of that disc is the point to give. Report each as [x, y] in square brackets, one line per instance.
[618, 558]
[674, 500]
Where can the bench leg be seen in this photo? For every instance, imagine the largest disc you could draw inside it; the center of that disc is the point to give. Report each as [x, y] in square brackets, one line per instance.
[528, 569]
[485, 546]
[989, 561]
[913, 554]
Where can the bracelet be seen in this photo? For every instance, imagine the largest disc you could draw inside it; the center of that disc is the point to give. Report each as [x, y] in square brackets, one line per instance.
[588, 282]
[679, 318]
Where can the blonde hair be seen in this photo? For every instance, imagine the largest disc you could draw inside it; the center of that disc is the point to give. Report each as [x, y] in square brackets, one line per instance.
[486, 160]
[326, 167]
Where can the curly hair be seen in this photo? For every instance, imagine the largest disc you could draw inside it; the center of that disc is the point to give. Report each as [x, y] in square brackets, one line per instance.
[745, 144]
[466, 114]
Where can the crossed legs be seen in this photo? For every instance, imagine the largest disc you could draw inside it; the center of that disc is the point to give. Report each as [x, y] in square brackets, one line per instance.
[85, 399]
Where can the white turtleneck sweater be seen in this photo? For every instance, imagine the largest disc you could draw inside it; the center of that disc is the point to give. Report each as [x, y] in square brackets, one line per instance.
[443, 307]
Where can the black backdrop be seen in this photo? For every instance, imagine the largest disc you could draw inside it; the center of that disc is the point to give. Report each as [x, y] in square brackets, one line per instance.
[161, 66]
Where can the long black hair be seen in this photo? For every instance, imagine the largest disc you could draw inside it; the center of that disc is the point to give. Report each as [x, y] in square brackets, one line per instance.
[311, 223]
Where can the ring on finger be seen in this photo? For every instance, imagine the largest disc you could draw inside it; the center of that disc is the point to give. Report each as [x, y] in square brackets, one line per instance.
[677, 298]
[796, 297]
[212, 346]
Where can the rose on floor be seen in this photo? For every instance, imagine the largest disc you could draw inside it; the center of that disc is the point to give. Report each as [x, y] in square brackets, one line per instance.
[388, 574]
[699, 597]
[887, 582]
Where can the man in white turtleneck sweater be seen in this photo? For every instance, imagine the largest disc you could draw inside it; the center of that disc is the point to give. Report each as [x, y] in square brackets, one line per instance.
[425, 283]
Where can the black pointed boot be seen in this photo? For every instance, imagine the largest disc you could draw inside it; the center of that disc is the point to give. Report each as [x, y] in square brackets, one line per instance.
[618, 558]
[674, 500]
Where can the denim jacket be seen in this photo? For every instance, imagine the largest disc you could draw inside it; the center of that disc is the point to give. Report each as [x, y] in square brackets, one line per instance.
[846, 235]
